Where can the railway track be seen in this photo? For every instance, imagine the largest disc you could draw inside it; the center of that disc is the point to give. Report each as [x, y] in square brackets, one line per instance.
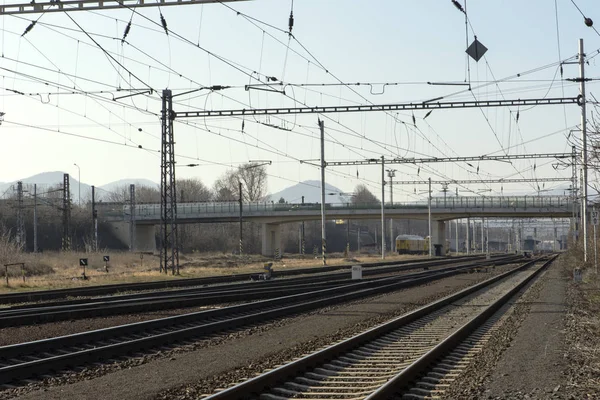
[48, 356]
[385, 361]
[212, 295]
[46, 295]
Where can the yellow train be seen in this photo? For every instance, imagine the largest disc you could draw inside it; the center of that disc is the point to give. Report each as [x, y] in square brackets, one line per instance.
[412, 244]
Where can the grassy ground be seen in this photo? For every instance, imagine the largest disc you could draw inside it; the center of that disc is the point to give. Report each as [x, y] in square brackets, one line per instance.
[55, 270]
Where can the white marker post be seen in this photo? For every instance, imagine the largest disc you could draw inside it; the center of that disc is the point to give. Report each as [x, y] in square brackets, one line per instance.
[595, 217]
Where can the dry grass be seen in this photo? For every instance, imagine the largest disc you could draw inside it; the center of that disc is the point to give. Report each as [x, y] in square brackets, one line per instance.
[55, 270]
[583, 327]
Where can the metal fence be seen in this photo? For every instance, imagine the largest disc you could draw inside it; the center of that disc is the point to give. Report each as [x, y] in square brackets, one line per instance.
[152, 211]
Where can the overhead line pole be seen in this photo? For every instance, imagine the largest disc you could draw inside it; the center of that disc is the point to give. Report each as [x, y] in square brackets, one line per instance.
[323, 165]
[391, 175]
[429, 216]
[584, 150]
[35, 227]
[382, 207]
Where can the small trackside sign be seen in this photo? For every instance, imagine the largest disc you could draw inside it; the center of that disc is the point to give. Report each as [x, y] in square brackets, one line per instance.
[83, 262]
[106, 258]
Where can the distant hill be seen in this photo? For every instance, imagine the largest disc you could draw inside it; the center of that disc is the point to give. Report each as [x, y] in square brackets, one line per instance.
[311, 190]
[45, 180]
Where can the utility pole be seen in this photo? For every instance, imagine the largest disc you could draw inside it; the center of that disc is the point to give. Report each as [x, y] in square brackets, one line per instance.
[429, 217]
[169, 251]
[382, 207]
[323, 232]
[302, 238]
[456, 236]
[391, 175]
[35, 236]
[94, 218]
[241, 199]
[468, 238]
[20, 217]
[347, 237]
[132, 222]
[66, 209]
[575, 226]
[482, 239]
[584, 159]
[487, 236]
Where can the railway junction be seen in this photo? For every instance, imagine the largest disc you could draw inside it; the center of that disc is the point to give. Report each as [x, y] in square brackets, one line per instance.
[368, 96]
[457, 327]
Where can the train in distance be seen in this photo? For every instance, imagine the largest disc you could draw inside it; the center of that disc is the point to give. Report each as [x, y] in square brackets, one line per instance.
[412, 244]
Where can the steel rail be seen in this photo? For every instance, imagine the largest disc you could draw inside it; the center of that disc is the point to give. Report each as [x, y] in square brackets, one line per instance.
[410, 373]
[23, 360]
[45, 295]
[68, 310]
[257, 385]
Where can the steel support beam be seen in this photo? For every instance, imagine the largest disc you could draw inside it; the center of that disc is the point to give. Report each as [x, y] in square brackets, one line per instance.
[375, 161]
[482, 181]
[52, 6]
[431, 105]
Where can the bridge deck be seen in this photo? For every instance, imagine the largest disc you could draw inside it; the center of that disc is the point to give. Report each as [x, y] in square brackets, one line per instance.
[441, 209]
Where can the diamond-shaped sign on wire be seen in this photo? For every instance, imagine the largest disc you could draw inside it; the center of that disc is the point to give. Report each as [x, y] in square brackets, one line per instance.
[476, 50]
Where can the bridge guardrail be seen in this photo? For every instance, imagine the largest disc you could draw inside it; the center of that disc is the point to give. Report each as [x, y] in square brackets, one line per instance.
[152, 211]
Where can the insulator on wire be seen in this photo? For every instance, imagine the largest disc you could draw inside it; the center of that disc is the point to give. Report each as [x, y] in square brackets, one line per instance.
[291, 22]
[164, 23]
[29, 28]
[427, 115]
[588, 22]
[517, 115]
[127, 28]
[414, 120]
[561, 71]
[457, 5]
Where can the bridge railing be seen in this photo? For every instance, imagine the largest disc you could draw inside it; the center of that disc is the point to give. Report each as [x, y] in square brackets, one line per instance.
[152, 211]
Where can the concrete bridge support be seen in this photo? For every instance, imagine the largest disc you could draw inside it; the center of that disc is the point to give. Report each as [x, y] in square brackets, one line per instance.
[438, 237]
[145, 235]
[271, 239]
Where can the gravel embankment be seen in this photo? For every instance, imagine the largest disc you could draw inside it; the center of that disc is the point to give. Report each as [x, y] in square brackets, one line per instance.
[524, 358]
[201, 367]
[583, 334]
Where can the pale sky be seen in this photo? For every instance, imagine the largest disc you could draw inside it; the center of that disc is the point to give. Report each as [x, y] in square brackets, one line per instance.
[407, 43]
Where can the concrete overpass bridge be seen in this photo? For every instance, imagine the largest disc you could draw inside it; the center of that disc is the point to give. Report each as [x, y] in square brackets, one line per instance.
[272, 215]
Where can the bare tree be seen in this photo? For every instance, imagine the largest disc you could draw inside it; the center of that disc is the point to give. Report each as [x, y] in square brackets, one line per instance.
[254, 183]
[362, 195]
[254, 178]
[193, 190]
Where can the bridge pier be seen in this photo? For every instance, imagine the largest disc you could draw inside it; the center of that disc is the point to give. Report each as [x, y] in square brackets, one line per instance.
[145, 235]
[271, 239]
[438, 237]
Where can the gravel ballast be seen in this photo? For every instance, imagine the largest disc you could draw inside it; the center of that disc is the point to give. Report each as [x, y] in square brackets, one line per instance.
[200, 368]
[525, 357]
